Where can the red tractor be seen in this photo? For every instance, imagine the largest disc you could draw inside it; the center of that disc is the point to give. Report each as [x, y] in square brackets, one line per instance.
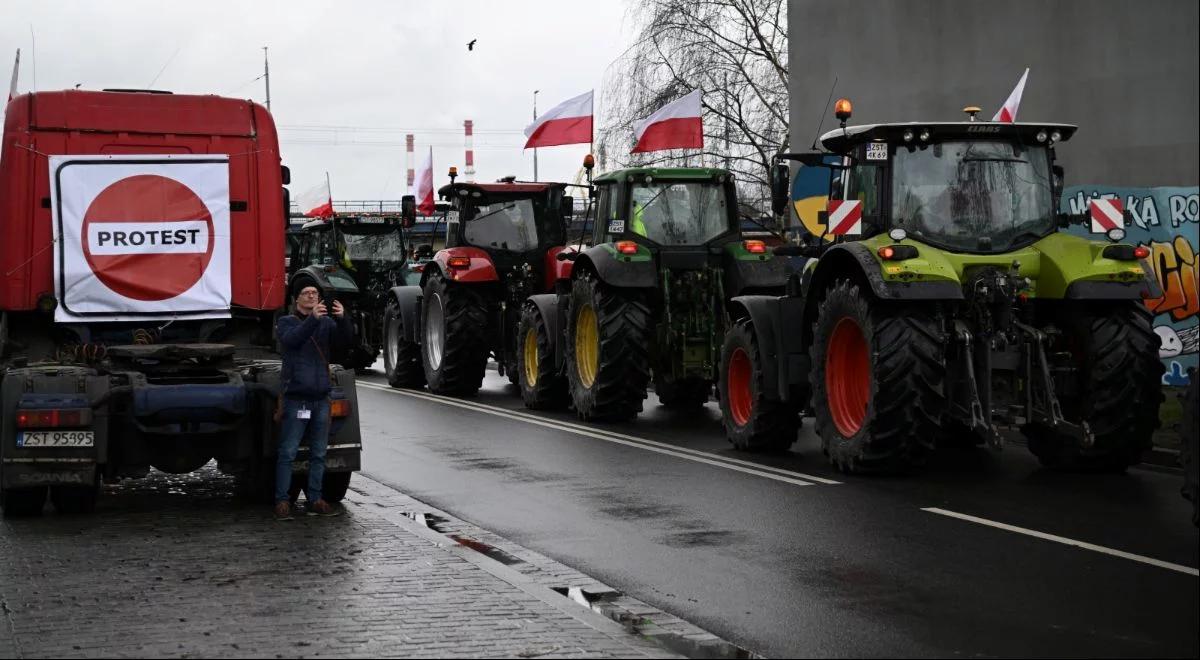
[502, 240]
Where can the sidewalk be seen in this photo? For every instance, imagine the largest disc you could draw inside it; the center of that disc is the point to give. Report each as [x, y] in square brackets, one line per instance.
[175, 567]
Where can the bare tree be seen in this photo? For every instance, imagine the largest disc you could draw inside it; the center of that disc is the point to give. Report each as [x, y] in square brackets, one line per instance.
[733, 50]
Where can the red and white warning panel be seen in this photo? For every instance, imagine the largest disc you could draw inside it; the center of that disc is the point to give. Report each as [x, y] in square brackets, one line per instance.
[845, 217]
[141, 237]
[1106, 214]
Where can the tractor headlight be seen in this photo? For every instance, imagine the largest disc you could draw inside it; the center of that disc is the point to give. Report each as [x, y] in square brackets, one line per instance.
[908, 135]
[1116, 234]
[1041, 136]
[1055, 136]
[897, 234]
[924, 135]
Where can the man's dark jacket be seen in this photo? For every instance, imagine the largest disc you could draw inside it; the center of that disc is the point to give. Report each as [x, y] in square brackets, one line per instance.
[305, 370]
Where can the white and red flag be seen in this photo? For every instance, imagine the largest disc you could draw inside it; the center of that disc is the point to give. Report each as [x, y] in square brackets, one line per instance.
[316, 202]
[676, 125]
[12, 86]
[423, 185]
[1008, 112]
[569, 122]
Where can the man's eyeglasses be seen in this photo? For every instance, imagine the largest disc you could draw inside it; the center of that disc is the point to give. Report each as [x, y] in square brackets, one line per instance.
[309, 294]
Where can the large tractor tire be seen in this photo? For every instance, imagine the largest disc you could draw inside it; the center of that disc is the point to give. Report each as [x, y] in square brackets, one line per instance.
[686, 394]
[608, 359]
[401, 357]
[542, 387]
[1115, 352]
[454, 328]
[1189, 454]
[753, 422]
[877, 380]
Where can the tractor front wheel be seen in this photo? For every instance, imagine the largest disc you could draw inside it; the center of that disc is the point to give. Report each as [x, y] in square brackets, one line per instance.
[401, 357]
[1118, 390]
[455, 347]
[753, 421]
[608, 362]
[542, 387]
[877, 381]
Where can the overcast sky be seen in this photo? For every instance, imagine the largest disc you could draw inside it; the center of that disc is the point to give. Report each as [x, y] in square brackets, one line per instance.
[342, 74]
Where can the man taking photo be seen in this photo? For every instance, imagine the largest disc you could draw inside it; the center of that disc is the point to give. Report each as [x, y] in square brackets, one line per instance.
[306, 336]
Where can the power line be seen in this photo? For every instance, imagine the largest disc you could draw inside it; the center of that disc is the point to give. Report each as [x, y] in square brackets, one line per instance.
[392, 129]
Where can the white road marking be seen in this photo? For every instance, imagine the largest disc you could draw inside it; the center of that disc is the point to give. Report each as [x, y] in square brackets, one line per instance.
[638, 443]
[1066, 541]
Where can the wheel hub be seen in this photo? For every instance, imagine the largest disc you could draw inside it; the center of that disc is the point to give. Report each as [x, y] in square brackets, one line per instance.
[587, 345]
[531, 357]
[847, 377]
[435, 331]
[741, 403]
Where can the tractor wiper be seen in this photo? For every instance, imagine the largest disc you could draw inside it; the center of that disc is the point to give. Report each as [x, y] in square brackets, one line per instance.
[503, 208]
[993, 159]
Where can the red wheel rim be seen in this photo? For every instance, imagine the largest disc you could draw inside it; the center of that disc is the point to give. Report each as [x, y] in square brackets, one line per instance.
[740, 399]
[847, 377]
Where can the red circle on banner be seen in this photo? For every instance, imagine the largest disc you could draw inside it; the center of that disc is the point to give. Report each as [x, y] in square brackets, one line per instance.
[139, 259]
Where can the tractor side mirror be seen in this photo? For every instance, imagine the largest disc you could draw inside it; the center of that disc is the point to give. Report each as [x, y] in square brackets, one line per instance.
[285, 174]
[780, 182]
[568, 207]
[1057, 178]
[287, 208]
[408, 211]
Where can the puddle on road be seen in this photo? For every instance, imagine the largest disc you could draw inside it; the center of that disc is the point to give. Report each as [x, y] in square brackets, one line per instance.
[675, 642]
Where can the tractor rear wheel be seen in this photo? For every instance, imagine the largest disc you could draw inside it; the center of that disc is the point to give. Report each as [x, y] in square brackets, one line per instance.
[1190, 445]
[401, 358]
[753, 422]
[455, 346]
[686, 394]
[608, 361]
[877, 381]
[1117, 392]
[542, 387]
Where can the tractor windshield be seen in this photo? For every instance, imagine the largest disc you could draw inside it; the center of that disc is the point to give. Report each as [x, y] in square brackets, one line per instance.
[374, 246]
[506, 224]
[973, 196]
[679, 213]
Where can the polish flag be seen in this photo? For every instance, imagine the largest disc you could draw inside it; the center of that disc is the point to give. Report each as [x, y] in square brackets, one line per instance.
[1008, 113]
[423, 185]
[12, 86]
[316, 202]
[676, 125]
[569, 122]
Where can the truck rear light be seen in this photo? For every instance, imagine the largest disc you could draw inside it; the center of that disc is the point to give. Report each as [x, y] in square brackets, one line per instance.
[459, 262]
[53, 418]
[897, 252]
[627, 247]
[339, 408]
[755, 247]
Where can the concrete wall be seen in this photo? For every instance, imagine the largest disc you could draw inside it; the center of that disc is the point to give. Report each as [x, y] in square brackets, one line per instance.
[1125, 72]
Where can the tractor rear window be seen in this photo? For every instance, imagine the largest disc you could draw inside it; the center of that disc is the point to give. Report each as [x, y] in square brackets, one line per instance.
[974, 196]
[503, 224]
[679, 213]
[386, 246]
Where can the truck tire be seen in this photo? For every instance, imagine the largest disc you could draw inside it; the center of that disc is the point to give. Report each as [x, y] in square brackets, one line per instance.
[686, 394]
[335, 486]
[1189, 455]
[542, 387]
[23, 502]
[608, 361]
[752, 421]
[401, 357]
[75, 499]
[454, 347]
[877, 381]
[1115, 351]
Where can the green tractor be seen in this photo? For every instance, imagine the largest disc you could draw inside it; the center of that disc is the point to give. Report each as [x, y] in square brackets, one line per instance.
[947, 304]
[648, 300]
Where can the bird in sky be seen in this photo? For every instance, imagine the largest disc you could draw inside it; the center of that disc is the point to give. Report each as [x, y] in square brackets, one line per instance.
[471, 44]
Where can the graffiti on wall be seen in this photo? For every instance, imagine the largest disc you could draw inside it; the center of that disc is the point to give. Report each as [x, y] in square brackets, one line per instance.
[1166, 220]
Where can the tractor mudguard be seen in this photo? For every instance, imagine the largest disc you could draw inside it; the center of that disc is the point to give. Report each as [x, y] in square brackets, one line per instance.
[408, 298]
[556, 271]
[548, 307]
[479, 269]
[780, 332]
[1091, 290]
[837, 259]
[331, 282]
[752, 273]
[633, 271]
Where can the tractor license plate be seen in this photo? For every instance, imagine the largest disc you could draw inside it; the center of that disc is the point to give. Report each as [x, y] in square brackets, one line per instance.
[56, 439]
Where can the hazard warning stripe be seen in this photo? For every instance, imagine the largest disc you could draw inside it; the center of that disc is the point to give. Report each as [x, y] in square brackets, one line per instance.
[1106, 214]
[845, 217]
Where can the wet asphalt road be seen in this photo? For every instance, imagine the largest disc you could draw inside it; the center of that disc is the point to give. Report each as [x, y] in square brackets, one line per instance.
[769, 554]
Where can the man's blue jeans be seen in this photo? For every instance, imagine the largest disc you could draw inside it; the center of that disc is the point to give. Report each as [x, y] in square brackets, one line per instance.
[316, 429]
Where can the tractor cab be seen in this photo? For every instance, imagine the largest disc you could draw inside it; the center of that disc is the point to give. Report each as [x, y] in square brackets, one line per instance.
[666, 208]
[511, 221]
[366, 250]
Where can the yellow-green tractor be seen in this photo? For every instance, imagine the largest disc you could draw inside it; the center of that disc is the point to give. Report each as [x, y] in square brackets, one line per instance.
[943, 300]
